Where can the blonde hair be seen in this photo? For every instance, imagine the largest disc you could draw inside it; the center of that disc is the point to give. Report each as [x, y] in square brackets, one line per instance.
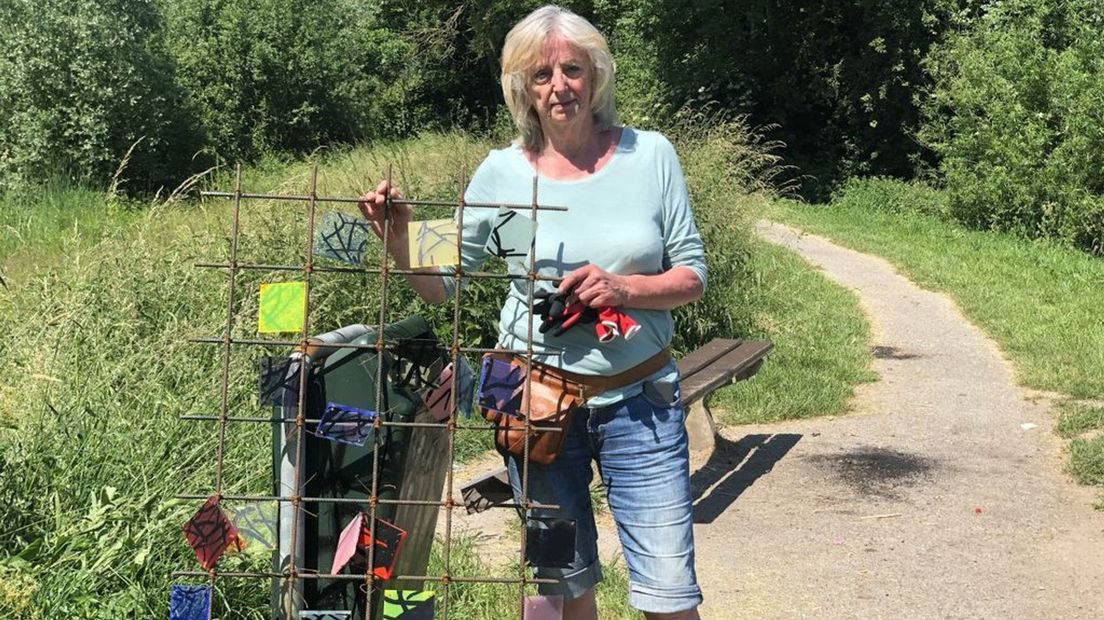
[522, 53]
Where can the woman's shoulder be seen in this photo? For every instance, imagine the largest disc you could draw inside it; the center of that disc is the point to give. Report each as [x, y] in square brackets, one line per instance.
[646, 142]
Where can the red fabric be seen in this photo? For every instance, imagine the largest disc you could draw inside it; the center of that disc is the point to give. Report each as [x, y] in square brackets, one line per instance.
[612, 323]
[607, 326]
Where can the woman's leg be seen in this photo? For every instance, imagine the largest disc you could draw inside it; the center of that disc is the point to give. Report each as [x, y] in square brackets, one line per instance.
[643, 458]
[689, 614]
[582, 608]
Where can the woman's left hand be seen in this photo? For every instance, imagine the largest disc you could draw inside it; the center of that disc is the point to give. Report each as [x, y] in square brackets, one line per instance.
[597, 287]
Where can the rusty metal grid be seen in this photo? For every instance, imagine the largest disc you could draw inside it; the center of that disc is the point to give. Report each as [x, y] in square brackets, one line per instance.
[291, 574]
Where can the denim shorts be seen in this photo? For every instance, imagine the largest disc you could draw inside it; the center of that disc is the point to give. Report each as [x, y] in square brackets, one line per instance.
[641, 448]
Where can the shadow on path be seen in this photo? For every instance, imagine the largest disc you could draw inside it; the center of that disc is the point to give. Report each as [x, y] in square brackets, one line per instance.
[735, 466]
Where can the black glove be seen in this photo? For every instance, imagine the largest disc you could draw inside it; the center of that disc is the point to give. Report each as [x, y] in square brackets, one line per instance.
[559, 315]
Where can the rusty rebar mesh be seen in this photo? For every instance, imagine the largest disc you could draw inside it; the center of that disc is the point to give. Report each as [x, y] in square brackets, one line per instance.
[291, 574]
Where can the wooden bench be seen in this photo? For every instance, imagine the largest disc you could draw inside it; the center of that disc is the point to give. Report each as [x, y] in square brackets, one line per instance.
[718, 363]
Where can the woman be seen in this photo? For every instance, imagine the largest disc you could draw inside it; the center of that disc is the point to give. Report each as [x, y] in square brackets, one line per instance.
[627, 241]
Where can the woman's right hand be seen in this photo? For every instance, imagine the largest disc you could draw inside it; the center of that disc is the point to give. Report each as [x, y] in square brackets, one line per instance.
[372, 206]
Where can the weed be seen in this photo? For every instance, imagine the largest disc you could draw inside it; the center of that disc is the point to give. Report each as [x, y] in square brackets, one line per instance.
[1077, 418]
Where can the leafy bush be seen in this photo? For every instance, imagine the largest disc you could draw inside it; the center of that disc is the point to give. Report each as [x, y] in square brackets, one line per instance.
[729, 167]
[1016, 117]
[82, 81]
[838, 80]
[891, 195]
[285, 75]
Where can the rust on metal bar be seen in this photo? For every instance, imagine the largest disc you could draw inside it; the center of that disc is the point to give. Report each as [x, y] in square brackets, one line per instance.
[394, 201]
[295, 343]
[343, 577]
[375, 271]
[293, 574]
[342, 500]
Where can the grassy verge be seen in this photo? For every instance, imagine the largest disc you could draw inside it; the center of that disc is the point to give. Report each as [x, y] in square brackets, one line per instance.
[821, 345]
[40, 226]
[492, 601]
[1083, 425]
[1038, 299]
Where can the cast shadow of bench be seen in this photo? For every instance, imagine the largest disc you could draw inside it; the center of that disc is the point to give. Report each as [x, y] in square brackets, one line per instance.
[735, 466]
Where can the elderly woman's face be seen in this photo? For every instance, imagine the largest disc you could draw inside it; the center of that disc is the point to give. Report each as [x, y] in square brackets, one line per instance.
[559, 87]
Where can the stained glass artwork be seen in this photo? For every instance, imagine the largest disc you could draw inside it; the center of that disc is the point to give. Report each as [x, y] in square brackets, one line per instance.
[542, 607]
[357, 537]
[433, 243]
[189, 602]
[278, 381]
[500, 386]
[341, 237]
[550, 542]
[256, 523]
[347, 544]
[418, 363]
[282, 307]
[408, 604]
[438, 399]
[345, 424]
[511, 236]
[211, 534]
[439, 396]
[312, 614]
[466, 385]
[388, 545]
[490, 490]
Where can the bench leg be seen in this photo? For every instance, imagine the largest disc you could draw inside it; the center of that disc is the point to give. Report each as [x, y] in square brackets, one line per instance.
[700, 430]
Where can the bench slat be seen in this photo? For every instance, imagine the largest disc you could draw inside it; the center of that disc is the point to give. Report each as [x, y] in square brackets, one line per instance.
[706, 355]
[742, 359]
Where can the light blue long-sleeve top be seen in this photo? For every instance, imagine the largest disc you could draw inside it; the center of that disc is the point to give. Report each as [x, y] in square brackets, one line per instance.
[630, 217]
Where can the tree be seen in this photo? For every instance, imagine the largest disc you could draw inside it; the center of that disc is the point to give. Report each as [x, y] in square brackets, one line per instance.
[81, 81]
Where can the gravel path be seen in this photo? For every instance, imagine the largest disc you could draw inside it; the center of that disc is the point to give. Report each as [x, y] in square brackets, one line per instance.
[941, 495]
[931, 500]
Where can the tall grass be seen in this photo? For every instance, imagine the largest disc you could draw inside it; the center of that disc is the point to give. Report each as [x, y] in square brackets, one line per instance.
[37, 224]
[91, 446]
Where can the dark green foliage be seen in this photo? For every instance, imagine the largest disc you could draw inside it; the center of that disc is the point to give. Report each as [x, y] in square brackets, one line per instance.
[80, 82]
[1016, 118]
[450, 76]
[839, 79]
[285, 75]
[890, 195]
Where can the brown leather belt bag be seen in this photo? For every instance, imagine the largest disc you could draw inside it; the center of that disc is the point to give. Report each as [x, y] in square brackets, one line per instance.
[548, 403]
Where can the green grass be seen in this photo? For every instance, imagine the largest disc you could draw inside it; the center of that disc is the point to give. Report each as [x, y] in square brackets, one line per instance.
[1083, 425]
[1086, 460]
[40, 225]
[1078, 418]
[492, 601]
[820, 341]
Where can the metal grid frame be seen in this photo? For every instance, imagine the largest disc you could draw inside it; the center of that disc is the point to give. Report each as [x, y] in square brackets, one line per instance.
[291, 576]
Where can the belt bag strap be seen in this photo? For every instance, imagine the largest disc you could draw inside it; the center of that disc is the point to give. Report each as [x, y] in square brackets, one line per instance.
[596, 384]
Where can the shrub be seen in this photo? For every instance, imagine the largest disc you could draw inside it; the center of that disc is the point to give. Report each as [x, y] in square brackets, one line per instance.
[286, 75]
[1016, 117]
[81, 82]
[837, 79]
[729, 168]
[891, 195]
